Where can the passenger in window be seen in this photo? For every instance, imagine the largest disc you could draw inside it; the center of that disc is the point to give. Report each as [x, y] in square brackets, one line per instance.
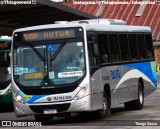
[127, 57]
[149, 54]
[105, 58]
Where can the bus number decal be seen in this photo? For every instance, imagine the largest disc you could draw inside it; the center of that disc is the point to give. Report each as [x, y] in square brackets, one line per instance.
[115, 74]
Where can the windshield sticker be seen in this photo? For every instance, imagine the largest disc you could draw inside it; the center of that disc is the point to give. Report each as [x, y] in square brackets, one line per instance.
[59, 79]
[25, 70]
[29, 70]
[79, 44]
[50, 47]
[51, 75]
[73, 68]
[21, 70]
[43, 46]
[70, 74]
[18, 71]
[33, 76]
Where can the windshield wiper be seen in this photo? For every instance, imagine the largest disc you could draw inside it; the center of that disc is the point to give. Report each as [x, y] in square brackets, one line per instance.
[57, 51]
[36, 51]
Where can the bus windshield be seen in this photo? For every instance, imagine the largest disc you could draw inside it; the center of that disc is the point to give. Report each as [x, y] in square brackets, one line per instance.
[51, 64]
[4, 62]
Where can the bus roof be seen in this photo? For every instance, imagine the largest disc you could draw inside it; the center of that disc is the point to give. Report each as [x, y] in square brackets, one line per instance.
[104, 26]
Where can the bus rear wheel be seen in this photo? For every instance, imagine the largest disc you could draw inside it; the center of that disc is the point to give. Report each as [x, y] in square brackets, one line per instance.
[138, 103]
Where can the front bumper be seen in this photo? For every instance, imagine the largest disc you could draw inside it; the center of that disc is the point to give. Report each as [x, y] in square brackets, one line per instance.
[83, 104]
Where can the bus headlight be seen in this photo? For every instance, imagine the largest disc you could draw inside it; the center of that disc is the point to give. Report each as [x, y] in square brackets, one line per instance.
[81, 93]
[18, 98]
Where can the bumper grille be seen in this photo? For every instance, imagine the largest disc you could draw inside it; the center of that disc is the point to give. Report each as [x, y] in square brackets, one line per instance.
[59, 107]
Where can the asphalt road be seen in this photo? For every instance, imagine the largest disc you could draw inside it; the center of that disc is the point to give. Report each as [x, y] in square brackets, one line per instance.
[149, 115]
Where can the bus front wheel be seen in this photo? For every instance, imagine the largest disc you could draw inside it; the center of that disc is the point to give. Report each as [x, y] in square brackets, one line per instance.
[105, 111]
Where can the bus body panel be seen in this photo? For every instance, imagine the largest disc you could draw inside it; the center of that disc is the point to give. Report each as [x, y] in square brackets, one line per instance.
[96, 90]
[35, 102]
[83, 104]
[123, 81]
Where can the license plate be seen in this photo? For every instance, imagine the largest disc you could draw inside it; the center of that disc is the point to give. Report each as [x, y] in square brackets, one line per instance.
[50, 111]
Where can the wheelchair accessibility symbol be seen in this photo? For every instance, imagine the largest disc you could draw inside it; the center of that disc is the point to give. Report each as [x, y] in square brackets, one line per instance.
[50, 47]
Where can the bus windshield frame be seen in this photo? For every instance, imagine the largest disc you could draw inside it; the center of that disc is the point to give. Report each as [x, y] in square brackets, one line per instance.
[48, 53]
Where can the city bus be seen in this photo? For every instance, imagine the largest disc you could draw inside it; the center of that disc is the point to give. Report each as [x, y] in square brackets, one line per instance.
[85, 66]
[5, 79]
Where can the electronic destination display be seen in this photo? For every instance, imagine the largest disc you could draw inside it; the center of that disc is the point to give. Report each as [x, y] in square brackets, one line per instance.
[50, 34]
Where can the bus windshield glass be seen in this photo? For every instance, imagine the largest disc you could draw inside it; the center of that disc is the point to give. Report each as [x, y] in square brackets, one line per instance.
[4, 62]
[51, 63]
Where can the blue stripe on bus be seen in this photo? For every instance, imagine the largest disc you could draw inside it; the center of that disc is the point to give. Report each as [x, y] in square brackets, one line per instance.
[30, 98]
[34, 98]
[148, 68]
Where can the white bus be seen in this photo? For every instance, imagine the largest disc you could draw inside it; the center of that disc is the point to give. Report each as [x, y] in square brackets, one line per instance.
[81, 66]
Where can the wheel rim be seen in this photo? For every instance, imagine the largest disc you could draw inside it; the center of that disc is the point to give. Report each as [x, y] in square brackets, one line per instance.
[141, 97]
[104, 105]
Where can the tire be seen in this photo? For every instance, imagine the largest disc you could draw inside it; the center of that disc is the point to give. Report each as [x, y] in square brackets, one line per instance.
[105, 111]
[44, 119]
[138, 103]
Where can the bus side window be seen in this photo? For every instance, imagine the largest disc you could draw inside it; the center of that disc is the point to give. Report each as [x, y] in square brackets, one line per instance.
[149, 48]
[92, 49]
[93, 58]
[114, 46]
[124, 47]
[141, 46]
[104, 48]
[133, 46]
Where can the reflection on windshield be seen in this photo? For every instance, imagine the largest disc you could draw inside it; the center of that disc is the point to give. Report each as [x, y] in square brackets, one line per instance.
[63, 64]
[28, 66]
[68, 66]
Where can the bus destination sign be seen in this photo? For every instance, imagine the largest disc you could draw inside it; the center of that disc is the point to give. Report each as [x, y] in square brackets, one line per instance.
[48, 35]
[3, 45]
